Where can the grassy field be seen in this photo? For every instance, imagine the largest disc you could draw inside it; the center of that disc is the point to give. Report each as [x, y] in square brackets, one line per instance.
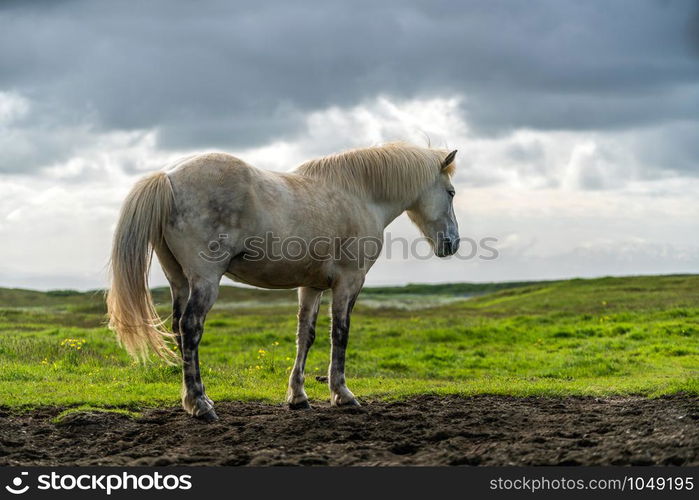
[598, 337]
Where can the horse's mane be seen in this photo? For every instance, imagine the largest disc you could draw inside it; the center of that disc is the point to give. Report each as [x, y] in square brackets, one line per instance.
[390, 172]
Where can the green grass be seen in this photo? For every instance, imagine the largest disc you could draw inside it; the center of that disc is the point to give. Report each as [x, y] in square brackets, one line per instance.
[605, 336]
[63, 416]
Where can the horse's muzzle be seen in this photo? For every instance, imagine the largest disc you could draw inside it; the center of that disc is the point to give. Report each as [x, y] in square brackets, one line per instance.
[447, 246]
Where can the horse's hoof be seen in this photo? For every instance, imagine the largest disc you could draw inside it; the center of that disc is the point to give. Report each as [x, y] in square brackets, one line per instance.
[352, 403]
[208, 417]
[301, 405]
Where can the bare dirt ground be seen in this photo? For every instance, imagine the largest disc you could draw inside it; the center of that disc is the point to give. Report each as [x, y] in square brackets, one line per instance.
[427, 430]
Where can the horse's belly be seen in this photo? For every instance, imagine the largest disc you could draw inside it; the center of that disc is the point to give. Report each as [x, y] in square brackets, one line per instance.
[279, 274]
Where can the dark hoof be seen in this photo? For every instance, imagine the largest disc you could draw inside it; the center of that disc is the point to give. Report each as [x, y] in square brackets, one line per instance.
[208, 417]
[301, 405]
[322, 378]
[350, 405]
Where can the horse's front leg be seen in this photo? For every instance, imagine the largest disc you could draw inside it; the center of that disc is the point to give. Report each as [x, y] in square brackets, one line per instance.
[309, 303]
[344, 295]
[202, 296]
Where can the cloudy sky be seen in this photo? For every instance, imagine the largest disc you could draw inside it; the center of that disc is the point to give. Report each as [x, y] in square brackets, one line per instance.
[577, 123]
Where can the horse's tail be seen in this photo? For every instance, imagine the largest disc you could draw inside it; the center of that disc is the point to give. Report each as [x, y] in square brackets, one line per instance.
[130, 307]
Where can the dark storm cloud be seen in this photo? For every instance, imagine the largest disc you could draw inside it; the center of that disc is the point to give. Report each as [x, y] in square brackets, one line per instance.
[221, 74]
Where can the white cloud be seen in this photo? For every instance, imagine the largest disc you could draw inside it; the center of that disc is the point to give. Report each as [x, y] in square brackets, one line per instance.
[560, 203]
[12, 107]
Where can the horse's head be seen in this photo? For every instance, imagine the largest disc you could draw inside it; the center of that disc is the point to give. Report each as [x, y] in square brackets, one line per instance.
[433, 212]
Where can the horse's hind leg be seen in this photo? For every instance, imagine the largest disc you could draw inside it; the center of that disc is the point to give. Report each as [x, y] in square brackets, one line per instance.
[202, 295]
[345, 293]
[309, 303]
[179, 288]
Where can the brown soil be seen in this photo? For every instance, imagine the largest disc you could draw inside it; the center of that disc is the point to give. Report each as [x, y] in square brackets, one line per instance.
[427, 430]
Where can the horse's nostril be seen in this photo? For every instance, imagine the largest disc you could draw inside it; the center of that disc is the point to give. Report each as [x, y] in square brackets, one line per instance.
[447, 246]
[450, 245]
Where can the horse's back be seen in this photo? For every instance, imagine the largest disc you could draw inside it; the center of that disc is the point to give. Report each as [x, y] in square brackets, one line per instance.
[212, 186]
[221, 202]
[211, 169]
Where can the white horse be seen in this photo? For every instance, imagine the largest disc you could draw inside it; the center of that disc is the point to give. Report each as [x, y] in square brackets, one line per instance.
[330, 213]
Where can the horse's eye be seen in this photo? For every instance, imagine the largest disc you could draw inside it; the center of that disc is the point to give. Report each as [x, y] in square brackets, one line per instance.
[452, 193]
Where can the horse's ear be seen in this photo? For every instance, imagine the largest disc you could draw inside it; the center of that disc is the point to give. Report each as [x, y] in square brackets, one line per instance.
[449, 159]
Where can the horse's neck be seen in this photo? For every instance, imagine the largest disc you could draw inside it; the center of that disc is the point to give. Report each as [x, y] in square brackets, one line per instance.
[384, 208]
[386, 211]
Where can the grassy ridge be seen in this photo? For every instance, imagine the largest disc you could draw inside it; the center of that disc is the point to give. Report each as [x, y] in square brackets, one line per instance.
[602, 336]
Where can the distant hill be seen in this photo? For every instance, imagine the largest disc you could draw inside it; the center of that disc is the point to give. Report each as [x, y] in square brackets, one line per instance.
[94, 299]
[466, 289]
[18, 297]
